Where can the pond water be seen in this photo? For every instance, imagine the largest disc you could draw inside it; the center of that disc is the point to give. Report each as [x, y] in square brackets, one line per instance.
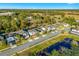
[65, 43]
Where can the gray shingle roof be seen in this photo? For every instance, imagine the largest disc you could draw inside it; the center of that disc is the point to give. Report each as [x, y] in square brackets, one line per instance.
[9, 39]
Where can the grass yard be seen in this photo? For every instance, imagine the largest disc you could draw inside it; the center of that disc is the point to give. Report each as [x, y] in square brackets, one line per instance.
[75, 37]
[3, 46]
[22, 41]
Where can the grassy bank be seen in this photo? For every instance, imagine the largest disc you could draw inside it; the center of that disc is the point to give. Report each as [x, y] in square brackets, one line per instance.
[37, 48]
[31, 51]
[75, 37]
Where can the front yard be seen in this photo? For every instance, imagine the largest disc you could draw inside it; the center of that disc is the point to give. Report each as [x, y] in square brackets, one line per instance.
[3, 46]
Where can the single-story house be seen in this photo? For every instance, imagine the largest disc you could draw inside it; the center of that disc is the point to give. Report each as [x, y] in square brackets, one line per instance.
[21, 33]
[43, 28]
[25, 35]
[66, 25]
[11, 41]
[39, 30]
[74, 31]
[49, 28]
[32, 32]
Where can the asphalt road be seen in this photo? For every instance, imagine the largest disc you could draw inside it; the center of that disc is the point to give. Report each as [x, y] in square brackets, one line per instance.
[11, 51]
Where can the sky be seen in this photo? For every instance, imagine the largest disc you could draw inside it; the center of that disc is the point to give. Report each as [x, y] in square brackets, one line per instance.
[39, 5]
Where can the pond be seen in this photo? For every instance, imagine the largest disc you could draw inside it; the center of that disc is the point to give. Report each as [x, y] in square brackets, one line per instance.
[66, 43]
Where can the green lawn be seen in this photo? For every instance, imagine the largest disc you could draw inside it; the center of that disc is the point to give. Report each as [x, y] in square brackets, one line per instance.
[3, 46]
[75, 37]
[37, 48]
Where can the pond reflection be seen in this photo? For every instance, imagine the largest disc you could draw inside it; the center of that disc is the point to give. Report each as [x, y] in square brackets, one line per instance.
[66, 43]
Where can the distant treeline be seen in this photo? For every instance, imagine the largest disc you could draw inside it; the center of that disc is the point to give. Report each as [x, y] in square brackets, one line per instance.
[39, 17]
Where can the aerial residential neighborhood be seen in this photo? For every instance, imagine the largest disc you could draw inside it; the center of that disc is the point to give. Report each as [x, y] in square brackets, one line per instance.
[39, 32]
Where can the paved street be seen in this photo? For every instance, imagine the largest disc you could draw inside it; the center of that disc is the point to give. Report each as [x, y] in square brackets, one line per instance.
[11, 51]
